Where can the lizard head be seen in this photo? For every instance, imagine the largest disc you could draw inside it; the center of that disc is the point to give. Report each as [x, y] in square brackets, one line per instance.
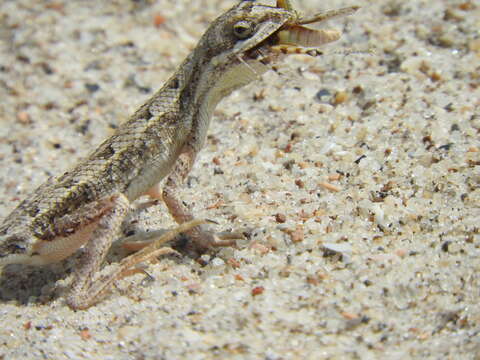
[240, 44]
[250, 25]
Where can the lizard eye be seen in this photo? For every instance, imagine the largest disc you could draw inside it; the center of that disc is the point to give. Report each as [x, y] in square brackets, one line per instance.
[243, 29]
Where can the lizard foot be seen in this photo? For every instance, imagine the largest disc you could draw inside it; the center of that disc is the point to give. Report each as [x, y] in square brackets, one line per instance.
[202, 237]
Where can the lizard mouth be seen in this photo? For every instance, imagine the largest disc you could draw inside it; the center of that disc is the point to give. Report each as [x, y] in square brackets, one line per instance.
[294, 38]
[291, 40]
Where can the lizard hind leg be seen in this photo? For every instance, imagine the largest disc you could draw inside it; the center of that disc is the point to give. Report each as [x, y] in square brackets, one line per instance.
[83, 298]
[85, 292]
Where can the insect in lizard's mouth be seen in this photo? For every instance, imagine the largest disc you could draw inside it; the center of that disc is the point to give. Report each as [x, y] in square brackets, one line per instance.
[291, 40]
[294, 38]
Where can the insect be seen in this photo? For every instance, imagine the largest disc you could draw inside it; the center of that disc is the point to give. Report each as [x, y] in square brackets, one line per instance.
[86, 205]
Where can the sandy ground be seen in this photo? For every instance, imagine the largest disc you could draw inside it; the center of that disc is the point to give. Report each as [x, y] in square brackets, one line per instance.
[354, 176]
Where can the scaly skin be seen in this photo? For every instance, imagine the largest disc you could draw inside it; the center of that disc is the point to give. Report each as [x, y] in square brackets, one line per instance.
[87, 204]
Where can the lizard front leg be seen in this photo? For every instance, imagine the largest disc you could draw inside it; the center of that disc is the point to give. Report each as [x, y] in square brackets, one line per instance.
[181, 212]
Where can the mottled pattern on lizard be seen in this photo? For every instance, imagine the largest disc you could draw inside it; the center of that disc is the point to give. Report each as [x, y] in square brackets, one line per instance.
[87, 204]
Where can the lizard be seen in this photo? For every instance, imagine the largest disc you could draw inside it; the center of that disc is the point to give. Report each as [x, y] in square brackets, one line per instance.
[85, 206]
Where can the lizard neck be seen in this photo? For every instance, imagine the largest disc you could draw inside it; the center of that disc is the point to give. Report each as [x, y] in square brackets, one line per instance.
[209, 82]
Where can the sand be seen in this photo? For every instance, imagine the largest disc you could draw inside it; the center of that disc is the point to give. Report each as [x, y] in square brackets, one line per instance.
[355, 177]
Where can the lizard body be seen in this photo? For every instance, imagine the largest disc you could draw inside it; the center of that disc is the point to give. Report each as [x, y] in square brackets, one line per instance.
[86, 205]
